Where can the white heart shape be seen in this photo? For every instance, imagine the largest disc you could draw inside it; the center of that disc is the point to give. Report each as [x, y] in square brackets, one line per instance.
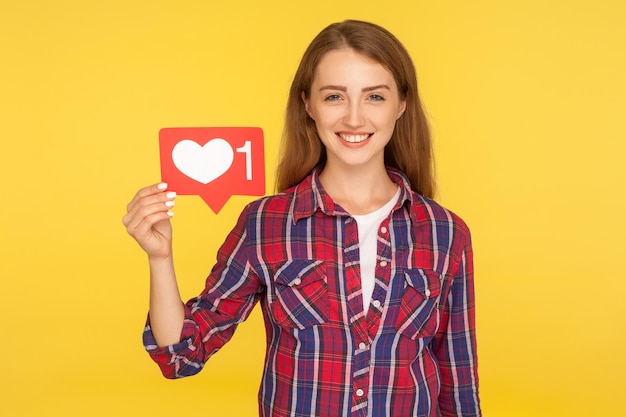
[203, 163]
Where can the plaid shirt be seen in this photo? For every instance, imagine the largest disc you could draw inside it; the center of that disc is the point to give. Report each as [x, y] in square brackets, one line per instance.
[297, 252]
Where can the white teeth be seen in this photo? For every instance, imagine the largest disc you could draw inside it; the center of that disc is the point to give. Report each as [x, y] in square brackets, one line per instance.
[354, 138]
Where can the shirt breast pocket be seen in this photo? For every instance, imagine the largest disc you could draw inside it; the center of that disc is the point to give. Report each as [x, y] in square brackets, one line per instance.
[419, 313]
[301, 294]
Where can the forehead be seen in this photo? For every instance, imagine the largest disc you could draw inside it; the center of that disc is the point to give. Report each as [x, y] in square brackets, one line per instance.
[348, 66]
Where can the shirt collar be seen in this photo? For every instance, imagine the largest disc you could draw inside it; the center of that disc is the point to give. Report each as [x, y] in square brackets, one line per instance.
[310, 196]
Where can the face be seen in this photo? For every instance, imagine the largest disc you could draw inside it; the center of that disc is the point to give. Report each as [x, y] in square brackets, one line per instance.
[355, 103]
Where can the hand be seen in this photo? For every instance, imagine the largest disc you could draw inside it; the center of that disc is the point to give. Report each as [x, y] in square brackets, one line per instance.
[147, 219]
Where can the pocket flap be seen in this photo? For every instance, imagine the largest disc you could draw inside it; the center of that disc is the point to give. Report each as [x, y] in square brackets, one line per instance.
[426, 281]
[300, 272]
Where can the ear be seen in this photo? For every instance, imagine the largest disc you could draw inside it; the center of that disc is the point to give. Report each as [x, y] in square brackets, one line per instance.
[401, 109]
[306, 105]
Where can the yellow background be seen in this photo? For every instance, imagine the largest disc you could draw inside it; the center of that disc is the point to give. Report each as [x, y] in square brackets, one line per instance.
[526, 100]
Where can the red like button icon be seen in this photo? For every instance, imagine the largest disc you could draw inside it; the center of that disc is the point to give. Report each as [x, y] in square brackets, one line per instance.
[213, 162]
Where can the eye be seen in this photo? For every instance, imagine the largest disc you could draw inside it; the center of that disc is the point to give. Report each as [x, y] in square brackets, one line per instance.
[332, 97]
[376, 97]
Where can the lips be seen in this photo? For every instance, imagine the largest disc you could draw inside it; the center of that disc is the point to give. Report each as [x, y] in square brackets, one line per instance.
[354, 138]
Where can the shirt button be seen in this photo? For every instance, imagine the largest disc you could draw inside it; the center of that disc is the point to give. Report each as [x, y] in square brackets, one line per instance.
[383, 263]
[362, 345]
[376, 303]
[297, 281]
[359, 392]
[383, 229]
[427, 292]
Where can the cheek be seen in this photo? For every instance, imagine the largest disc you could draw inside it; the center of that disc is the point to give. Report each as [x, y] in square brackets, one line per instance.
[392, 118]
[323, 130]
[325, 117]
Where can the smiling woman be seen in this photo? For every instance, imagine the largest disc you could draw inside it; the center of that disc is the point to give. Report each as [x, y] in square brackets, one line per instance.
[302, 149]
[355, 103]
[366, 284]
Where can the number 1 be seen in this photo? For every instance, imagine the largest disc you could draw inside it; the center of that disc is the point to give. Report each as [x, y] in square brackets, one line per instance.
[247, 149]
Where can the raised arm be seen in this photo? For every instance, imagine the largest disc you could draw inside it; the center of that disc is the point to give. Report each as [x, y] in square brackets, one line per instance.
[147, 220]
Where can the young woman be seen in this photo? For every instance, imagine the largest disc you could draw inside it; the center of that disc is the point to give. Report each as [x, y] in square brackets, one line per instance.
[365, 283]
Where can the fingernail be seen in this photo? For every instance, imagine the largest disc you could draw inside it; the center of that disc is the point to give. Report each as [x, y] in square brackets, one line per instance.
[170, 203]
[170, 194]
[170, 213]
[162, 186]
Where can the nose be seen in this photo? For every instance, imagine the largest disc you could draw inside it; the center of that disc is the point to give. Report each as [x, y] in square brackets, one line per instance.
[354, 115]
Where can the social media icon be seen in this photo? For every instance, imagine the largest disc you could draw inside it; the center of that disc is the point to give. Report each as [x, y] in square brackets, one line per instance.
[213, 162]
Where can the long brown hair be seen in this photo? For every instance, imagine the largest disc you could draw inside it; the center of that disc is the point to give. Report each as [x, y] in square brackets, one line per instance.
[410, 148]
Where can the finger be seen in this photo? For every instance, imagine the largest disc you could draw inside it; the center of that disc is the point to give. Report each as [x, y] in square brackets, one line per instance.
[144, 230]
[164, 197]
[148, 191]
[141, 211]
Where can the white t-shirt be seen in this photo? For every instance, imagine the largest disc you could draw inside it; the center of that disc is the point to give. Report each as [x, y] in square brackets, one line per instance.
[368, 239]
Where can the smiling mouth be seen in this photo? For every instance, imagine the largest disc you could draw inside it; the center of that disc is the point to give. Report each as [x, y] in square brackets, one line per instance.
[354, 138]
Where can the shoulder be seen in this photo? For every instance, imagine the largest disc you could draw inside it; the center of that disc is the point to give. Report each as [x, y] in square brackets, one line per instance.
[273, 205]
[427, 211]
[292, 204]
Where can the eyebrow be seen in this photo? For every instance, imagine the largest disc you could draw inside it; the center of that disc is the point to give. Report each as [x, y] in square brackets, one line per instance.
[365, 89]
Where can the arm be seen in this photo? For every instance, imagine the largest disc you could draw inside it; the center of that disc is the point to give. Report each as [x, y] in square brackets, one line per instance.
[148, 221]
[166, 307]
[209, 320]
[455, 342]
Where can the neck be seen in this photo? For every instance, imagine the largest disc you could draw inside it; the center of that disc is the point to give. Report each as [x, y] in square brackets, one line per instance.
[358, 190]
